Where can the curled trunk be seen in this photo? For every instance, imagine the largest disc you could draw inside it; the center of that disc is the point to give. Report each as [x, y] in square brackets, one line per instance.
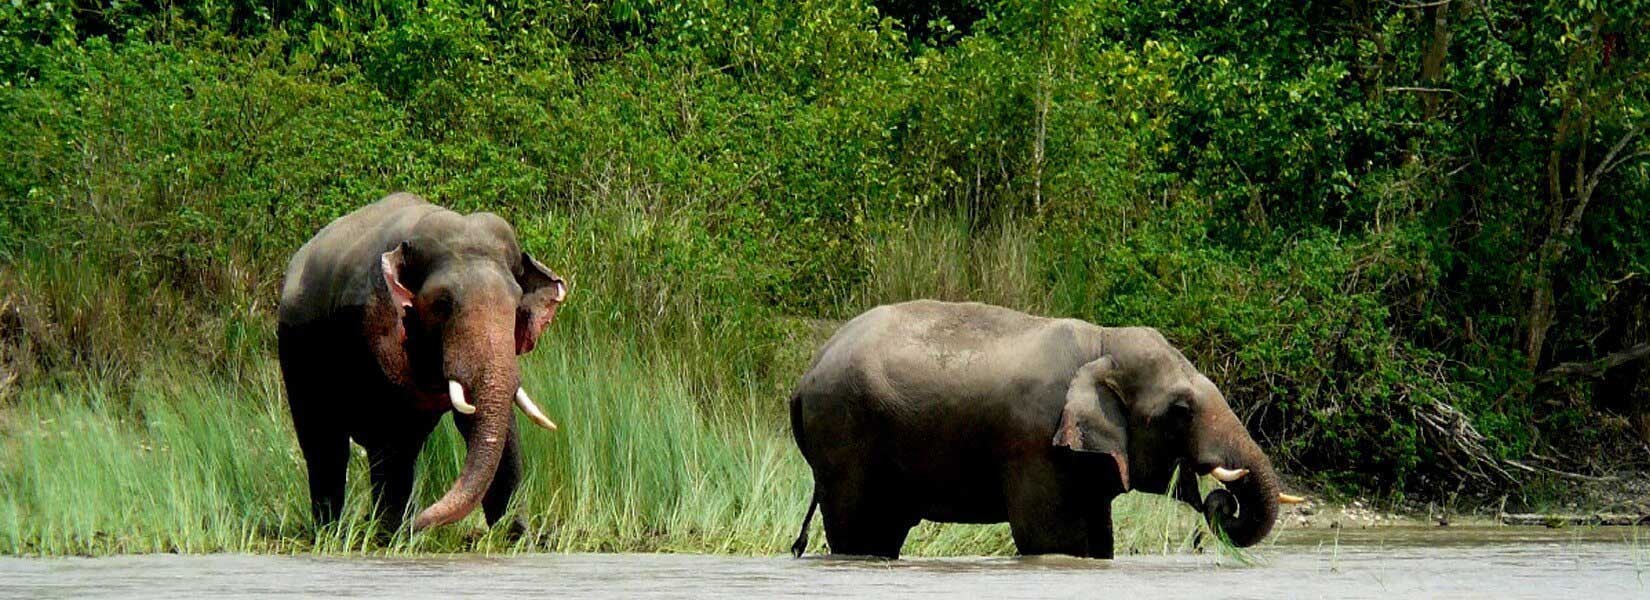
[492, 391]
[1247, 509]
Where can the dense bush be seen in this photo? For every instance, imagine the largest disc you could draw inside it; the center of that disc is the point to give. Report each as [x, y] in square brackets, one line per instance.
[1375, 225]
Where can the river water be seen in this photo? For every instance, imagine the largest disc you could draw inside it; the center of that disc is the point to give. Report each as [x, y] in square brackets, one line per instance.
[1376, 563]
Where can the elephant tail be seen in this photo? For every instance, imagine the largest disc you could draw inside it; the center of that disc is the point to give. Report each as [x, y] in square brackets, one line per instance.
[801, 544]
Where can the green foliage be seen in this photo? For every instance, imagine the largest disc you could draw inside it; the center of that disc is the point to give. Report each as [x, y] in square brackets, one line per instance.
[1346, 214]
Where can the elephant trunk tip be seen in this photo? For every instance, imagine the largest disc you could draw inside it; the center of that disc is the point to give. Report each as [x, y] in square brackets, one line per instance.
[1246, 511]
[449, 510]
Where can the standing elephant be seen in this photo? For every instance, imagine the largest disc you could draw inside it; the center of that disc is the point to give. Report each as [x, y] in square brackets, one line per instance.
[970, 413]
[390, 316]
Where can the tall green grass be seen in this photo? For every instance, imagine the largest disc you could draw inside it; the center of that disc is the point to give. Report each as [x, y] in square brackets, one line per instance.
[672, 437]
[941, 258]
[187, 463]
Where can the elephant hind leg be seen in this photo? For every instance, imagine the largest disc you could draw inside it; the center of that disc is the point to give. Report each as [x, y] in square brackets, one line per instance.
[874, 534]
[863, 523]
[326, 455]
[324, 445]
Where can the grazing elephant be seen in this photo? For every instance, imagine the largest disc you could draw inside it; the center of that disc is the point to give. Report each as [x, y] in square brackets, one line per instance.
[970, 413]
[390, 316]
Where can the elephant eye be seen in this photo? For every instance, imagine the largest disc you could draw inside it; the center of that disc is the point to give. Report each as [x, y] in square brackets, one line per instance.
[442, 306]
[1180, 405]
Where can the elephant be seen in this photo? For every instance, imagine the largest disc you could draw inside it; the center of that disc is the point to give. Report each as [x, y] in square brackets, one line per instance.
[972, 413]
[390, 317]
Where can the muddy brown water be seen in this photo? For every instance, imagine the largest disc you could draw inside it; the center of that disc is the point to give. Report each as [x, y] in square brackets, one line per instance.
[1377, 563]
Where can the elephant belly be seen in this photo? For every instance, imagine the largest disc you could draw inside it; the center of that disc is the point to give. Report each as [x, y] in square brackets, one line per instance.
[967, 509]
[957, 492]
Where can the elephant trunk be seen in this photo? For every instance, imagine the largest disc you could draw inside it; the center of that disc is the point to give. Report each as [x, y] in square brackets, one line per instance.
[490, 386]
[1247, 509]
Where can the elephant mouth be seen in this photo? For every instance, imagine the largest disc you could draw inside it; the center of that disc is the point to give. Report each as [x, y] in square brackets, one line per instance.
[452, 396]
[1231, 476]
[431, 399]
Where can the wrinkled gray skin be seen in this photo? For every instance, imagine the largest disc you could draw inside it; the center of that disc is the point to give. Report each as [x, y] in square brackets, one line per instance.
[970, 413]
[378, 312]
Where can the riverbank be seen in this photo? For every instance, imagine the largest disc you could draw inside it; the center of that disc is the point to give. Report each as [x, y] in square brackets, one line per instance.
[1622, 500]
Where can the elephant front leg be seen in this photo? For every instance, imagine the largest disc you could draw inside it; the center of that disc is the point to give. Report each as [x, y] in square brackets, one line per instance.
[393, 468]
[1044, 515]
[1099, 530]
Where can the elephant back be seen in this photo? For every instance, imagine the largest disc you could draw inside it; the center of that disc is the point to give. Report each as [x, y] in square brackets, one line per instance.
[338, 268]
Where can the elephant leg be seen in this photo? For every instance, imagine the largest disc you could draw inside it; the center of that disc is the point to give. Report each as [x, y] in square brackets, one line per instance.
[1099, 529]
[392, 467]
[505, 479]
[861, 522]
[325, 447]
[326, 456]
[1043, 514]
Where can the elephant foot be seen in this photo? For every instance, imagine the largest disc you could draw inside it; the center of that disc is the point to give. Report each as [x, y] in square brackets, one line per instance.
[515, 529]
[801, 545]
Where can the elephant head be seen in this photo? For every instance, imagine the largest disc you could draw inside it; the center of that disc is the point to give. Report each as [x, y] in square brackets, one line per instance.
[1143, 404]
[459, 302]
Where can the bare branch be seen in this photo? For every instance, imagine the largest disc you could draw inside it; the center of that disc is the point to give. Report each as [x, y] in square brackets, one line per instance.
[1626, 159]
[1421, 5]
[1564, 474]
[1608, 163]
[1597, 367]
[1453, 434]
[1584, 193]
[1422, 90]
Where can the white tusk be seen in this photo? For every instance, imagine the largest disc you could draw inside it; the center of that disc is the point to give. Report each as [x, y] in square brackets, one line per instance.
[1289, 498]
[1228, 475]
[533, 413]
[561, 291]
[456, 392]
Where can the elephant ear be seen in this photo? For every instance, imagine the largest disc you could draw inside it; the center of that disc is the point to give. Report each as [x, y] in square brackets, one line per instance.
[1093, 419]
[387, 327]
[541, 292]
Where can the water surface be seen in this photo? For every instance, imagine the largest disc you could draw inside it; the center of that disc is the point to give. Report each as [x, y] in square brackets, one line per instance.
[1384, 563]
